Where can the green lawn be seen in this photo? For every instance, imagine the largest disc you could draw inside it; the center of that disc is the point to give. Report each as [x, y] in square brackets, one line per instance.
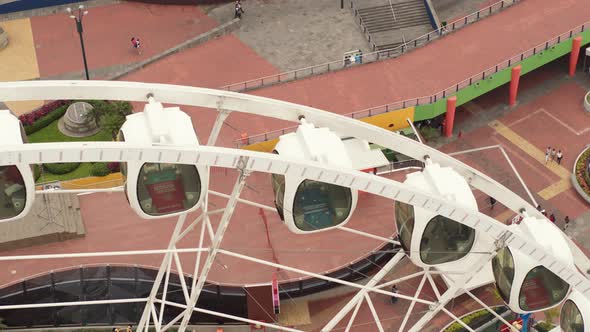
[52, 134]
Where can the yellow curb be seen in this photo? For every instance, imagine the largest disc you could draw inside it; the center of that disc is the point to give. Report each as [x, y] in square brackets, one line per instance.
[95, 182]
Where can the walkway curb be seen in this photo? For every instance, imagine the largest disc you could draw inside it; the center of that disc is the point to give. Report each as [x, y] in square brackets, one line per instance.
[211, 34]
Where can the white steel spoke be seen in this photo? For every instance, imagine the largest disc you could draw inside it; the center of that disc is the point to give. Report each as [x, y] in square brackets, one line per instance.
[144, 321]
[365, 234]
[492, 311]
[433, 285]
[155, 317]
[354, 313]
[450, 294]
[245, 201]
[221, 116]
[457, 320]
[102, 254]
[240, 319]
[196, 222]
[198, 261]
[398, 280]
[374, 313]
[411, 307]
[209, 229]
[166, 279]
[66, 304]
[360, 295]
[216, 243]
[181, 277]
[323, 277]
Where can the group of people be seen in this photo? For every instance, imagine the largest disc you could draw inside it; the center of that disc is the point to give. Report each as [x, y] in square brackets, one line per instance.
[127, 329]
[552, 155]
[553, 219]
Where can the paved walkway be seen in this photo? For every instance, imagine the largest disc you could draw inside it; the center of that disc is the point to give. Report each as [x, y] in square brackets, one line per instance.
[438, 65]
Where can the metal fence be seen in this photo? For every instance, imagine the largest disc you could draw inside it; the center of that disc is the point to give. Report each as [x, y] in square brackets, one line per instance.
[453, 89]
[373, 56]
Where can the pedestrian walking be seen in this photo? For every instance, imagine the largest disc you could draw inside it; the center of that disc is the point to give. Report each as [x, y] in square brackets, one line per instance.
[129, 328]
[566, 223]
[394, 290]
[539, 208]
[548, 150]
[492, 202]
[547, 157]
[552, 218]
[238, 10]
[136, 44]
[559, 157]
[543, 212]
[553, 153]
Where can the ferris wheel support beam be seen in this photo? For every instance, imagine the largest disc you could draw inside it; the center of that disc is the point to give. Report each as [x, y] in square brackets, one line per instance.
[353, 316]
[216, 242]
[37, 153]
[457, 286]
[163, 268]
[413, 303]
[374, 313]
[221, 117]
[492, 311]
[232, 101]
[433, 285]
[398, 280]
[360, 295]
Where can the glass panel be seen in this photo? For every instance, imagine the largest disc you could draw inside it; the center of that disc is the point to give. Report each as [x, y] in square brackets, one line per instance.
[13, 193]
[503, 268]
[404, 220]
[445, 240]
[278, 187]
[571, 318]
[168, 188]
[319, 205]
[541, 289]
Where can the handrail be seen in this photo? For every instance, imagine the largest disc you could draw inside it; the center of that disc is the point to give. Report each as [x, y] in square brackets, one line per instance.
[372, 56]
[424, 100]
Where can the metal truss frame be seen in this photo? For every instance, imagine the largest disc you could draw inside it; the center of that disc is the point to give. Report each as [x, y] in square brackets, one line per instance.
[250, 161]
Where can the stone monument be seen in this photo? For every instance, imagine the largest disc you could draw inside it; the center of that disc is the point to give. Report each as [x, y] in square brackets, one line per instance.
[78, 121]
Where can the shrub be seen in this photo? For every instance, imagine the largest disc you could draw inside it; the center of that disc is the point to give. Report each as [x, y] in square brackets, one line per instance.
[35, 121]
[36, 172]
[61, 168]
[100, 169]
[544, 327]
[429, 133]
[114, 167]
[473, 319]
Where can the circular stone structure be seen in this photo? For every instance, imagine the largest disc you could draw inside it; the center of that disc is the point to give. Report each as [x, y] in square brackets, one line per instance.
[78, 122]
[3, 38]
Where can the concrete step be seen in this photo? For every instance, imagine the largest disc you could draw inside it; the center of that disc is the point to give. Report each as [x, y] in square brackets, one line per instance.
[387, 9]
[388, 18]
[398, 26]
[387, 6]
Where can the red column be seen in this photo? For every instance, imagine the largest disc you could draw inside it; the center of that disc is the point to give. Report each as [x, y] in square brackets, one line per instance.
[514, 84]
[450, 117]
[576, 44]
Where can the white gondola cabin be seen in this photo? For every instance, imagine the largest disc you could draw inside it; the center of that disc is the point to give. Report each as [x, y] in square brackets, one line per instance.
[17, 185]
[522, 283]
[157, 190]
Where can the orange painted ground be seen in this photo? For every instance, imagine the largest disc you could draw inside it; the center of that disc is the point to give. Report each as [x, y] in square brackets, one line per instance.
[107, 35]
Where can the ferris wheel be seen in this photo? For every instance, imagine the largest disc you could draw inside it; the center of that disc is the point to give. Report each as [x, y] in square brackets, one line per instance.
[316, 175]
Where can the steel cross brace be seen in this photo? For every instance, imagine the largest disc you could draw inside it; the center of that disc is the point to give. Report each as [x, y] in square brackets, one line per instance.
[216, 243]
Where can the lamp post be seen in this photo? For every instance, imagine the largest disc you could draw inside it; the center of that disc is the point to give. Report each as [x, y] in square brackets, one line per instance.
[78, 19]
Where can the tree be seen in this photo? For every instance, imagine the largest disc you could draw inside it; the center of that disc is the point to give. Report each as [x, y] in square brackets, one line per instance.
[551, 314]
[112, 122]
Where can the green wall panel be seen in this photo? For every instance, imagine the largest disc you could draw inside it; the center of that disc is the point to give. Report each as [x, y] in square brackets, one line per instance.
[500, 78]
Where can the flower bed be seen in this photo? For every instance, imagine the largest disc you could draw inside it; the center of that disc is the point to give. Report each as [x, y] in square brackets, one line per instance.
[43, 116]
[581, 177]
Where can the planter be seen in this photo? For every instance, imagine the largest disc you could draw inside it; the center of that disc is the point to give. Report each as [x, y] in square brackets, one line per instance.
[587, 102]
[579, 187]
[3, 39]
